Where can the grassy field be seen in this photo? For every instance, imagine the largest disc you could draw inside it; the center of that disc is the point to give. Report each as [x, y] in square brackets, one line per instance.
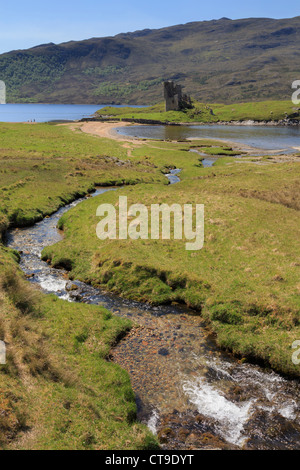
[245, 281]
[57, 390]
[43, 167]
[202, 112]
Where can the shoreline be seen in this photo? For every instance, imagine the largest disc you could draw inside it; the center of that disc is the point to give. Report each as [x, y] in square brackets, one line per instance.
[286, 122]
[108, 129]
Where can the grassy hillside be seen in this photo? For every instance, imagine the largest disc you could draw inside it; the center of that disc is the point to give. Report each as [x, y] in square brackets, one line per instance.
[217, 61]
[256, 111]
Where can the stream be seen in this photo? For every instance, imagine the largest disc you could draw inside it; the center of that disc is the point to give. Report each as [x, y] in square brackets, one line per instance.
[188, 391]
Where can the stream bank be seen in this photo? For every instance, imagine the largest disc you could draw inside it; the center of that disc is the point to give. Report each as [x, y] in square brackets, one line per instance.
[190, 393]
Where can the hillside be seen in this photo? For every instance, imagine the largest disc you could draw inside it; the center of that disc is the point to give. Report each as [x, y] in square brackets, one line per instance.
[217, 61]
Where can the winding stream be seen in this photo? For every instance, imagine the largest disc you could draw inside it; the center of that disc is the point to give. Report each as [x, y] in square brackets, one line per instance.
[187, 390]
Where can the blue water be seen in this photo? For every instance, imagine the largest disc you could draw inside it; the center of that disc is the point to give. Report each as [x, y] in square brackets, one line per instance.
[47, 112]
[276, 138]
[280, 139]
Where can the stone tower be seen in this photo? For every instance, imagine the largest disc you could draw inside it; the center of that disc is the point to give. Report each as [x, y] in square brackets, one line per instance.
[175, 99]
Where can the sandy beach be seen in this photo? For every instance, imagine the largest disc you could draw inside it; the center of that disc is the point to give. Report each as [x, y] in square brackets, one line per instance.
[103, 129]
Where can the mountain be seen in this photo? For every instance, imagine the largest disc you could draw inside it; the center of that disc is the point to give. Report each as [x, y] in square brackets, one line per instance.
[217, 61]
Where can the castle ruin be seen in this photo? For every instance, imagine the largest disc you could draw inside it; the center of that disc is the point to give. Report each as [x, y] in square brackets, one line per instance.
[176, 100]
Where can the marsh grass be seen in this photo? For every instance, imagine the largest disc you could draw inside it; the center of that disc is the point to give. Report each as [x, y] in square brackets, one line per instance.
[245, 281]
[57, 389]
[44, 167]
[209, 112]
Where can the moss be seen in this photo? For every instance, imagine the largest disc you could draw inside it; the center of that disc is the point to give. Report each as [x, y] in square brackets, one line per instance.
[226, 313]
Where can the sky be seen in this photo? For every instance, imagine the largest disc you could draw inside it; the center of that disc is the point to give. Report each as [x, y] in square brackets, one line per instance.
[27, 23]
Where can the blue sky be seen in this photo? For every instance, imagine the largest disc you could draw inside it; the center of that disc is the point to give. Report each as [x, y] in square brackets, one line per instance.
[27, 23]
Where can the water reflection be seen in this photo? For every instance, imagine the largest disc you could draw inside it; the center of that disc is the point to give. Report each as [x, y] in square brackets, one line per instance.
[281, 139]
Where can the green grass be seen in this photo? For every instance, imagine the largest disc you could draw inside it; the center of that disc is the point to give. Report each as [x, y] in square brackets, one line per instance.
[245, 281]
[57, 390]
[223, 161]
[221, 151]
[256, 111]
[43, 167]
